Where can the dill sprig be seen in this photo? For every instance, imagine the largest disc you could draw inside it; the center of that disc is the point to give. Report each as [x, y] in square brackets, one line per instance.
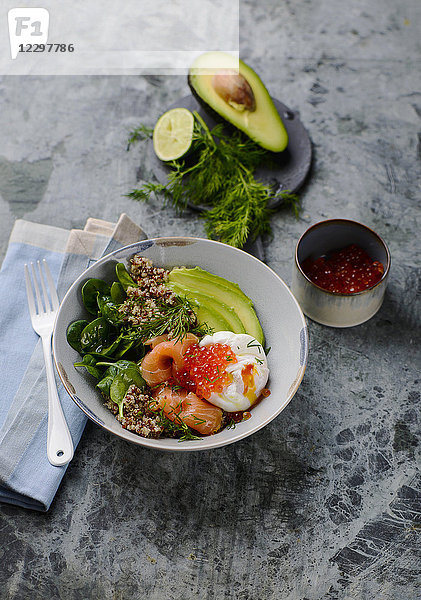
[176, 319]
[243, 213]
[139, 133]
[219, 173]
[177, 428]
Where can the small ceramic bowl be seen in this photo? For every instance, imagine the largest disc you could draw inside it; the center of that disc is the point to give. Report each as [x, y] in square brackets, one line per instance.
[281, 318]
[331, 308]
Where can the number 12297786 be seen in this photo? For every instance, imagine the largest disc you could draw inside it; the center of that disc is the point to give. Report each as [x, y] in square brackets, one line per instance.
[46, 48]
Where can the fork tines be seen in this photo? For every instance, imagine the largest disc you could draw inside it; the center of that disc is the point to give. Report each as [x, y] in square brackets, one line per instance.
[50, 303]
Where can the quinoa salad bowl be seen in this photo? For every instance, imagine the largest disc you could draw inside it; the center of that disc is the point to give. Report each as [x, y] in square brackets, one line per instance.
[143, 315]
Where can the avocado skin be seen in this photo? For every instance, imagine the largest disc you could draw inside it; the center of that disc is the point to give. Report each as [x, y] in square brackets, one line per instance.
[268, 132]
[204, 284]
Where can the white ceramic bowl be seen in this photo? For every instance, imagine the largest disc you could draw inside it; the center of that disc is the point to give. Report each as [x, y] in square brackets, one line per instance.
[280, 316]
[335, 309]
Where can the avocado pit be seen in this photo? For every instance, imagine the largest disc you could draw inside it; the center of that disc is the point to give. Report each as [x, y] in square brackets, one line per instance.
[234, 93]
[235, 90]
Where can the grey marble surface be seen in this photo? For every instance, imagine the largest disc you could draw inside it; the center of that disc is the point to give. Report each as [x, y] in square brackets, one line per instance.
[325, 501]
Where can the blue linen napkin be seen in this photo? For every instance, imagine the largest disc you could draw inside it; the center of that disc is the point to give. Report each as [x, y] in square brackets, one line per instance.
[27, 479]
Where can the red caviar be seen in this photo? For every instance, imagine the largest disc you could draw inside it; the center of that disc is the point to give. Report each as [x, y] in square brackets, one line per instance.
[345, 271]
[204, 369]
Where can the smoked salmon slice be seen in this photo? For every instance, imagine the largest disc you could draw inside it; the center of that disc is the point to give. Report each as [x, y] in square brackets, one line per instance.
[182, 406]
[201, 415]
[157, 340]
[157, 365]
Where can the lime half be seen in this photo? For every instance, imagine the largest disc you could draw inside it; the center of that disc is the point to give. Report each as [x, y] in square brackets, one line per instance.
[173, 134]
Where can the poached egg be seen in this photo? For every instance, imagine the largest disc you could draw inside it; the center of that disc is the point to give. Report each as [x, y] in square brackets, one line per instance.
[248, 376]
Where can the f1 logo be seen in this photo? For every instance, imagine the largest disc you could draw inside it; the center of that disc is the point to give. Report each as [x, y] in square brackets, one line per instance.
[27, 26]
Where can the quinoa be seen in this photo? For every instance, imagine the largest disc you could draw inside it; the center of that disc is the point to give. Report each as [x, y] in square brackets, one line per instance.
[137, 414]
[143, 301]
[151, 280]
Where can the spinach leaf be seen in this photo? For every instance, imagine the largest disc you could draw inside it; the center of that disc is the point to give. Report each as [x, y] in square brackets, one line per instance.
[89, 362]
[117, 293]
[96, 336]
[133, 373]
[74, 332]
[117, 348]
[124, 346]
[118, 390]
[118, 378]
[102, 355]
[124, 277]
[137, 351]
[109, 309]
[108, 351]
[133, 347]
[119, 365]
[90, 293]
[104, 384]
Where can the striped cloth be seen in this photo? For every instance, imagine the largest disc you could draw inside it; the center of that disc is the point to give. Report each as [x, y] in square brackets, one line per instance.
[27, 479]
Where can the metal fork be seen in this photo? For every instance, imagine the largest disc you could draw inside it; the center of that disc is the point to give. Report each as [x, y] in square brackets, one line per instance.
[43, 313]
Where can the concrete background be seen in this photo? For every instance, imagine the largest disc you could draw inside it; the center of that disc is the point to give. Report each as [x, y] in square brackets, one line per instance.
[325, 501]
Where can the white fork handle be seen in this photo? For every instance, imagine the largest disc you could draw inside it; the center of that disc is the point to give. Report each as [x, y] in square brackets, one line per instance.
[59, 440]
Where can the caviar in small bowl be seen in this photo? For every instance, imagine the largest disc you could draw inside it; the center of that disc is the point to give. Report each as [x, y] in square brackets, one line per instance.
[340, 272]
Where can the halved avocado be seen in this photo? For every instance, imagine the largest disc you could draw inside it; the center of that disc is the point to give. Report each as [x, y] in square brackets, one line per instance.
[236, 93]
[199, 281]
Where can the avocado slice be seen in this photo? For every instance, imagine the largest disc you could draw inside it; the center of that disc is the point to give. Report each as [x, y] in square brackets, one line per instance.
[229, 294]
[212, 306]
[236, 93]
[206, 315]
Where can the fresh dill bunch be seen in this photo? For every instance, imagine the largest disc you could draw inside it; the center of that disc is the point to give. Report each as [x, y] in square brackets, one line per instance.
[219, 174]
[191, 183]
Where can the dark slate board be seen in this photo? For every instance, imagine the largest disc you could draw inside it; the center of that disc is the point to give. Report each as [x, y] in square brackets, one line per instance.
[291, 166]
